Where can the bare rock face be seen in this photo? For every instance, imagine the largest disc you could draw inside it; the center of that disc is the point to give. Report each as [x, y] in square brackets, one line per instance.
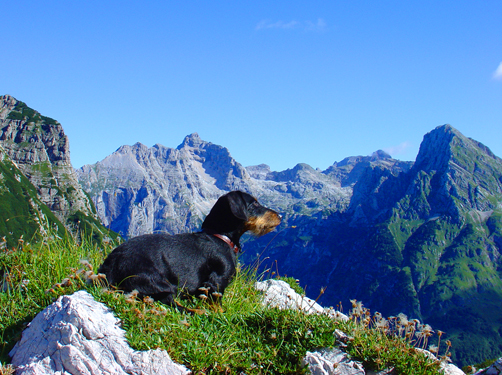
[37, 145]
[77, 335]
[494, 369]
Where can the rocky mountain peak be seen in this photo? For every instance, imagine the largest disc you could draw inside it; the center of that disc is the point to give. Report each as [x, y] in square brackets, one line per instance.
[192, 140]
[136, 148]
[446, 145]
[435, 150]
[7, 104]
[260, 172]
[379, 155]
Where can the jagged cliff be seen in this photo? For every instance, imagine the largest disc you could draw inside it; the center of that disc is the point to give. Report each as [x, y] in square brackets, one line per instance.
[37, 148]
[422, 238]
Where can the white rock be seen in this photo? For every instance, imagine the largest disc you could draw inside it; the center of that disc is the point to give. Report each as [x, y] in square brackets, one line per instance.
[331, 362]
[279, 294]
[77, 335]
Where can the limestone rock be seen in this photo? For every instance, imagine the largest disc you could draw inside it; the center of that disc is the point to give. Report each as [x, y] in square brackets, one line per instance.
[332, 362]
[77, 335]
[448, 368]
[278, 293]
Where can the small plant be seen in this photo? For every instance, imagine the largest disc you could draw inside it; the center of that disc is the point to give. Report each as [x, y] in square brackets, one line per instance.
[394, 338]
[6, 370]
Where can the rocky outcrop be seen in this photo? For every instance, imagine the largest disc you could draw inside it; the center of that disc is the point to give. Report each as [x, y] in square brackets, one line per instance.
[277, 293]
[77, 335]
[38, 146]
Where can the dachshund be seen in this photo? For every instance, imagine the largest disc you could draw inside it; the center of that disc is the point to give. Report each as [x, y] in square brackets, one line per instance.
[198, 264]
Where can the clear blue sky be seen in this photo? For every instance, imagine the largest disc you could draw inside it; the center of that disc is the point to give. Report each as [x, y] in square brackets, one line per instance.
[276, 82]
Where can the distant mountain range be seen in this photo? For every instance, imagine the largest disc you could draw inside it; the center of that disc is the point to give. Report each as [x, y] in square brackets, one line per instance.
[423, 238]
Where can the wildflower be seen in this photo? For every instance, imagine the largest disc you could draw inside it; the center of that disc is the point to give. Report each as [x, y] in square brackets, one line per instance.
[131, 297]
[403, 319]
[97, 279]
[148, 300]
[85, 263]
[66, 282]
[357, 308]
[382, 324]
[185, 323]
[433, 349]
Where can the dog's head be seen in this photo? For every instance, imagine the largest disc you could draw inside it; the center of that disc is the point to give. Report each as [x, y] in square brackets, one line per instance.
[239, 211]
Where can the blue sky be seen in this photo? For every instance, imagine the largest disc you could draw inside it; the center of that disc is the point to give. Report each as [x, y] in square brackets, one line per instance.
[276, 82]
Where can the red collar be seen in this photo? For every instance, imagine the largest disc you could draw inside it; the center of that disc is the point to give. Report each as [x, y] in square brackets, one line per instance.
[229, 242]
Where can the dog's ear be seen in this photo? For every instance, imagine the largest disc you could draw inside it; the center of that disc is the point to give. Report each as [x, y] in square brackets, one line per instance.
[237, 205]
[229, 212]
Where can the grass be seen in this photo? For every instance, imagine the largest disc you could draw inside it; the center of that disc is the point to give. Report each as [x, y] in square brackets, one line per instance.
[246, 337]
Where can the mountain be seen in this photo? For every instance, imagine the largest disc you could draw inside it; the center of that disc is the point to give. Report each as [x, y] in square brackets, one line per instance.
[38, 185]
[422, 238]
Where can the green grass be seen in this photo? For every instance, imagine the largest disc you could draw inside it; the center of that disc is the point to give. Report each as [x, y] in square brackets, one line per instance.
[244, 337]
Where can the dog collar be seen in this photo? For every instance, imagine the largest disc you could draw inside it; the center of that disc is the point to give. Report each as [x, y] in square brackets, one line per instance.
[229, 242]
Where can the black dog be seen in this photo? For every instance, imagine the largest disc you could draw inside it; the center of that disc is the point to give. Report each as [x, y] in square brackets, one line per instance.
[161, 265]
